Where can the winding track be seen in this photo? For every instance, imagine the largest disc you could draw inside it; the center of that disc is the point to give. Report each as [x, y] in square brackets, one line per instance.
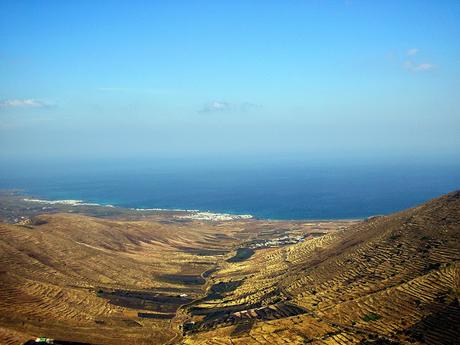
[180, 318]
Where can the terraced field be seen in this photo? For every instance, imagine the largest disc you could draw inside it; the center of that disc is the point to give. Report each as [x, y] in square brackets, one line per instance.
[101, 280]
[59, 278]
[387, 279]
[156, 280]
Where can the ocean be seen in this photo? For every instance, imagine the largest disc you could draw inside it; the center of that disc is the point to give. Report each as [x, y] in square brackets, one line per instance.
[268, 190]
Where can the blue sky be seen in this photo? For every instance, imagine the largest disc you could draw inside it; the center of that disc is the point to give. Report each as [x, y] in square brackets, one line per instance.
[146, 78]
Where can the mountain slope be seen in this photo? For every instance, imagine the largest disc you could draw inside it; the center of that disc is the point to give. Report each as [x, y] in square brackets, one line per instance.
[393, 278]
[386, 280]
[81, 278]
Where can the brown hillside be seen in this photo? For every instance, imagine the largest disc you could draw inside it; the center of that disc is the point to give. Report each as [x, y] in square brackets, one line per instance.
[52, 275]
[105, 280]
[388, 279]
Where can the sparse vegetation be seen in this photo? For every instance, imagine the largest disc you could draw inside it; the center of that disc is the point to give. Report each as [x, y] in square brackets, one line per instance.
[433, 266]
[103, 279]
[241, 255]
[371, 317]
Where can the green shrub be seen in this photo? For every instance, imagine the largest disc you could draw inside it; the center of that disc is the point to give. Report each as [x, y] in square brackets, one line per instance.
[371, 317]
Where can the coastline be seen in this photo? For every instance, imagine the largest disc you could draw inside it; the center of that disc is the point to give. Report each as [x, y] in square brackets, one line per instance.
[176, 213]
[27, 204]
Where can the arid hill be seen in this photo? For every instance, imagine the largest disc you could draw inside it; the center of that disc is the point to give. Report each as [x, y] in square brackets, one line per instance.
[393, 279]
[56, 271]
[99, 280]
[385, 280]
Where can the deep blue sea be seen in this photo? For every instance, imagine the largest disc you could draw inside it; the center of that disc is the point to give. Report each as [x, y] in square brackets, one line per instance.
[283, 190]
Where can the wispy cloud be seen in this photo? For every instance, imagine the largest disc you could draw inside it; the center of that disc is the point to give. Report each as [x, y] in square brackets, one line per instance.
[215, 106]
[412, 51]
[23, 103]
[222, 106]
[418, 67]
[411, 65]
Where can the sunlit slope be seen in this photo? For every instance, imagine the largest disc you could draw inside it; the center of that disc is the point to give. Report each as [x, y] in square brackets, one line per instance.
[50, 273]
[396, 278]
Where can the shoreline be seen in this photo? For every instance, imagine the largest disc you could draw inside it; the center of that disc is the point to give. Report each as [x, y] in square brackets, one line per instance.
[176, 213]
[186, 213]
[194, 213]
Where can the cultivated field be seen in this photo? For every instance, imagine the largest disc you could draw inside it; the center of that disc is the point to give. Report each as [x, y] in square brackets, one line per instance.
[157, 279]
[119, 276]
[389, 279]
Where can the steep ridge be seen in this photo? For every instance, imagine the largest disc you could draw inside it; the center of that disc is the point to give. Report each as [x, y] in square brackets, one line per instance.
[387, 279]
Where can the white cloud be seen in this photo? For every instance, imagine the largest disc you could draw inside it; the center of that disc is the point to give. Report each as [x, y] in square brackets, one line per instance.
[418, 67]
[215, 106]
[412, 51]
[424, 67]
[221, 106]
[23, 103]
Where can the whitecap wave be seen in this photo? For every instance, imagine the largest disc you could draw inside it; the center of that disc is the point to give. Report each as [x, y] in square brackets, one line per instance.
[187, 214]
[68, 202]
